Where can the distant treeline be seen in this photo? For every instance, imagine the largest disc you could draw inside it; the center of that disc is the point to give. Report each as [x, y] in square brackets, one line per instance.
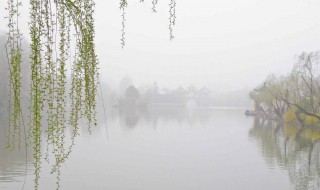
[294, 97]
[191, 96]
[181, 96]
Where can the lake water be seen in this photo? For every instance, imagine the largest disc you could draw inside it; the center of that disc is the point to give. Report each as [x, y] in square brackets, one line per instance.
[178, 149]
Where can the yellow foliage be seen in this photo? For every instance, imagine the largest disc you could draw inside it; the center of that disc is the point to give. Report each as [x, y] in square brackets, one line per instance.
[309, 120]
[290, 115]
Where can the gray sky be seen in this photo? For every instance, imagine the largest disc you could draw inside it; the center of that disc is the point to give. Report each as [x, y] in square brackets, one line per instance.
[223, 44]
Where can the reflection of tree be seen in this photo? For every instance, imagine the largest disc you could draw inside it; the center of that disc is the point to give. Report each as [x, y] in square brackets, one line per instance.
[292, 149]
[130, 116]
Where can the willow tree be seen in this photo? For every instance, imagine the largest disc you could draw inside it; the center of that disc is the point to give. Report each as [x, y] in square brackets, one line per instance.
[62, 32]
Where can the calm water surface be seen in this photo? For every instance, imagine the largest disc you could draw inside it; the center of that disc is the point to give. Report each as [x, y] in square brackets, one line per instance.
[179, 149]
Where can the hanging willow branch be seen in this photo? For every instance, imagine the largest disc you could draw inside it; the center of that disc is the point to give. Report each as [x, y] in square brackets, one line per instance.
[123, 5]
[14, 51]
[172, 18]
[55, 25]
[51, 25]
[154, 4]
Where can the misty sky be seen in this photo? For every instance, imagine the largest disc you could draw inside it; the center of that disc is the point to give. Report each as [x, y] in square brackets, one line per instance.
[223, 44]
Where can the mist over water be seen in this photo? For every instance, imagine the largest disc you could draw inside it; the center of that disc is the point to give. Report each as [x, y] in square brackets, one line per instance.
[171, 113]
[179, 148]
[160, 148]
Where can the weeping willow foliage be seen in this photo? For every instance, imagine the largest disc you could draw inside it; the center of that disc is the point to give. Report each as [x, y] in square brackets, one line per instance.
[62, 33]
[14, 52]
[154, 4]
[172, 17]
[123, 5]
[51, 26]
[52, 20]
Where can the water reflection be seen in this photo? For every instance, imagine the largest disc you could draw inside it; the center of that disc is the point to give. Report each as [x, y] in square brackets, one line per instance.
[172, 148]
[12, 163]
[131, 117]
[293, 149]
